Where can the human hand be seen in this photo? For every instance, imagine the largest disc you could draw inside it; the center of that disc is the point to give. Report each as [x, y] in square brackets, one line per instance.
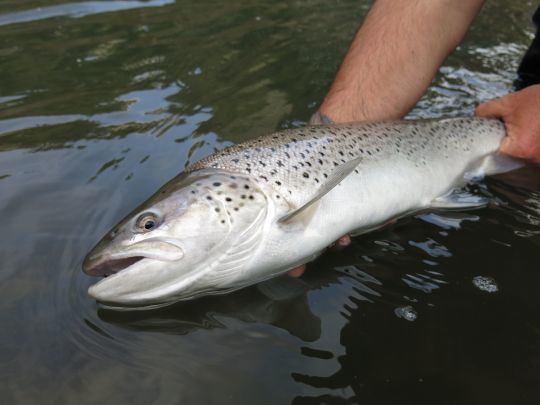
[520, 112]
[342, 242]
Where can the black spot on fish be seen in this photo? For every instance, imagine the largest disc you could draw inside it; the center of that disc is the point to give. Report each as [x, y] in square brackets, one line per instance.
[216, 184]
[305, 174]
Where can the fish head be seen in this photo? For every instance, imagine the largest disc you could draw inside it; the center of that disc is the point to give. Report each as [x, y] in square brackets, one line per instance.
[161, 252]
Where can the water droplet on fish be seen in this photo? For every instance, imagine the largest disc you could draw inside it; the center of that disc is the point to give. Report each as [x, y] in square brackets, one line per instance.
[486, 284]
[408, 313]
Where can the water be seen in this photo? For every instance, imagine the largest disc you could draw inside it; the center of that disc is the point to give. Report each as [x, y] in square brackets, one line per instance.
[102, 102]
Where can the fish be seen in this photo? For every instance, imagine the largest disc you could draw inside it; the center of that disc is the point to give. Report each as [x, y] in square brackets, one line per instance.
[255, 210]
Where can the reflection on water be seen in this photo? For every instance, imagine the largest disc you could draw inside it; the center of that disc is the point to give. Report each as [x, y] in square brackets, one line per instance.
[102, 102]
[77, 10]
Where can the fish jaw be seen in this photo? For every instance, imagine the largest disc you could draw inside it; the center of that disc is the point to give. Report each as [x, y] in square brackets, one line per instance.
[140, 284]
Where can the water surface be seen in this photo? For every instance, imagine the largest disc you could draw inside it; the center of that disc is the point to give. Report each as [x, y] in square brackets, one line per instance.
[101, 102]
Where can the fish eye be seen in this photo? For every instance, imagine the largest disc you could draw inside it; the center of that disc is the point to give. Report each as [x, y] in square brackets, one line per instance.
[147, 222]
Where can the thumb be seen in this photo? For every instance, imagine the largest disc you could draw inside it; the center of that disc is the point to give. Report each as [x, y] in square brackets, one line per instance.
[507, 145]
[495, 108]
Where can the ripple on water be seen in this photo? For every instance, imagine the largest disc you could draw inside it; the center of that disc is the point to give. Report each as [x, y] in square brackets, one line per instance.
[486, 284]
[408, 313]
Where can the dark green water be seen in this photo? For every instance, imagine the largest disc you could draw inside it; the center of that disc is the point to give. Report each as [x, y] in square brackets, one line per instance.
[102, 102]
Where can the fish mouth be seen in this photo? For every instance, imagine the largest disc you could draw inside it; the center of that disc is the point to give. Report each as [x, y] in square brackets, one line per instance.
[103, 267]
[103, 263]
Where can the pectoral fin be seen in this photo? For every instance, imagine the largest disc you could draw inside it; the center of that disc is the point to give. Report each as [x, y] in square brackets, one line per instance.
[499, 163]
[337, 175]
[459, 200]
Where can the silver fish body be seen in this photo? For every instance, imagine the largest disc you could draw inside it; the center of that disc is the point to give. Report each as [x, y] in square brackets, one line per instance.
[257, 209]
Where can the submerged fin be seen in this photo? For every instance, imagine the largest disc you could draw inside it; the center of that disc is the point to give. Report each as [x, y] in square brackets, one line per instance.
[337, 175]
[494, 164]
[499, 163]
[459, 200]
[283, 288]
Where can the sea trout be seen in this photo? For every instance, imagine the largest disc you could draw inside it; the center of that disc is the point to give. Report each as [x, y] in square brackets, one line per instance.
[257, 209]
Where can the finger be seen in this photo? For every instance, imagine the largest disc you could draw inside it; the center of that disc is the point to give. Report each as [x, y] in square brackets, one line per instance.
[345, 240]
[297, 271]
[495, 108]
[508, 146]
[518, 147]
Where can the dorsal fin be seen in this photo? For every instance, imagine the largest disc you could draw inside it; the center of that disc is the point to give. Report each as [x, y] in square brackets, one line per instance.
[337, 175]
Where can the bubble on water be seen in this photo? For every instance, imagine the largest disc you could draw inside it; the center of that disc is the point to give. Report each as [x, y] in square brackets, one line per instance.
[486, 284]
[408, 313]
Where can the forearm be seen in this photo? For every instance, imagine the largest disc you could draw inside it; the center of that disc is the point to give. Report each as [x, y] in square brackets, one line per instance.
[394, 57]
